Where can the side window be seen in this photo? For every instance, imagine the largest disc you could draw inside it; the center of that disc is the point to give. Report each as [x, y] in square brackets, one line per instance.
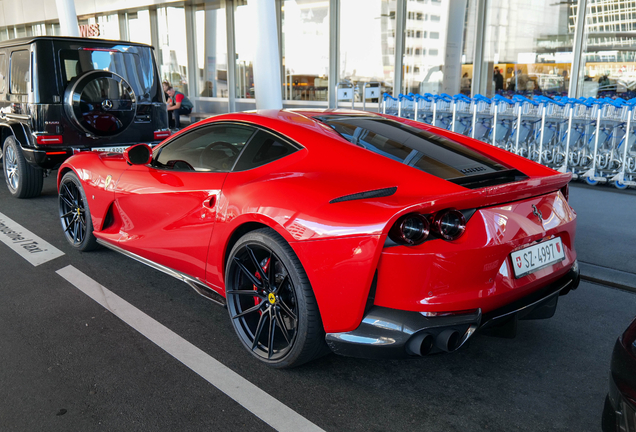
[262, 149]
[3, 72]
[20, 74]
[207, 149]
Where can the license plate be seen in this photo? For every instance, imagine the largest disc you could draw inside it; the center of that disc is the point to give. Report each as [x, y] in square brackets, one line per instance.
[110, 149]
[536, 257]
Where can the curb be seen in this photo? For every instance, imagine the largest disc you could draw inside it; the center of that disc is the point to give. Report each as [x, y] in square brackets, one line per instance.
[607, 276]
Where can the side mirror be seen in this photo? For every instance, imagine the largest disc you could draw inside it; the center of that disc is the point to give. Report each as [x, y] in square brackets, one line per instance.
[139, 154]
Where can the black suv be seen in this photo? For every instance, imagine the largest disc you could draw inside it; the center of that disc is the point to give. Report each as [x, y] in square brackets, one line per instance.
[61, 95]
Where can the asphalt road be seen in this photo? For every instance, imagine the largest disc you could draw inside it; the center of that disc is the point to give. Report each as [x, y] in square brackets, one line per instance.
[69, 364]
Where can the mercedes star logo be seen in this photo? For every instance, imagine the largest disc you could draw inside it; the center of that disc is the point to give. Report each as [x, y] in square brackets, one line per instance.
[107, 104]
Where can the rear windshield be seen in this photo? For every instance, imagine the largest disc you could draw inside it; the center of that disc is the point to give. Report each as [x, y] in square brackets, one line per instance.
[134, 64]
[414, 147]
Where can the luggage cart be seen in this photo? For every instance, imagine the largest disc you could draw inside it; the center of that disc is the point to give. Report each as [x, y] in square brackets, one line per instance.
[424, 108]
[602, 161]
[462, 117]
[482, 118]
[406, 107]
[370, 90]
[503, 111]
[390, 105]
[345, 91]
[626, 175]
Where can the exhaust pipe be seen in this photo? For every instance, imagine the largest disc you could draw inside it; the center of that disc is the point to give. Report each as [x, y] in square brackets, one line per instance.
[448, 340]
[421, 344]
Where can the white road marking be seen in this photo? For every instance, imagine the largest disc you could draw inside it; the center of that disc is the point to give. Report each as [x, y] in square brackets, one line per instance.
[261, 404]
[26, 244]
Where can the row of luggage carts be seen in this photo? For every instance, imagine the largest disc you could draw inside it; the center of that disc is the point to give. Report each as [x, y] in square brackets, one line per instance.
[595, 139]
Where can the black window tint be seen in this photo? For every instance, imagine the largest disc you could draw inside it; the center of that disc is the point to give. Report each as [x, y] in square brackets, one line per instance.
[262, 149]
[20, 72]
[420, 149]
[135, 65]
[3, 71]
[207, 149]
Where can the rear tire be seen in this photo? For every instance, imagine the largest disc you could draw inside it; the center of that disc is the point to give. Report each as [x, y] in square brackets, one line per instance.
[271, 302]
[23, 180]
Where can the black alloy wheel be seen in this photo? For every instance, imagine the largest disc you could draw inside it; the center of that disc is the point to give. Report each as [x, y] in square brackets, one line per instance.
[271, 303]
[75, 214]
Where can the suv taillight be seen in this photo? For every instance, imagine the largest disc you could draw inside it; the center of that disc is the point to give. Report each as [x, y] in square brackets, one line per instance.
[160, 134]
[49, 139]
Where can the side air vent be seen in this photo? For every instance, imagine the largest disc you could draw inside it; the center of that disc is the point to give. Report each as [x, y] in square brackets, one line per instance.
[378, 193]
[472, 170]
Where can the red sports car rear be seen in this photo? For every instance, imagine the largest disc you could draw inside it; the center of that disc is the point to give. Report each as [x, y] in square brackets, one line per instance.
[372, 235]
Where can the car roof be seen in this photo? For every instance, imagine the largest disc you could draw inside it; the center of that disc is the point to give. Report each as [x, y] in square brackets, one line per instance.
[30, 39]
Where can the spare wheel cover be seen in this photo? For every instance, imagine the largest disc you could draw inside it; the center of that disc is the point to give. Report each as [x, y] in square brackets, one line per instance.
[101, 103]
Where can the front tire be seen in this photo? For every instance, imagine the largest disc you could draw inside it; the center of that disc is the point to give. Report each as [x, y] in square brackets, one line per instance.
[271, 303]
[75, 214]
[23, 180]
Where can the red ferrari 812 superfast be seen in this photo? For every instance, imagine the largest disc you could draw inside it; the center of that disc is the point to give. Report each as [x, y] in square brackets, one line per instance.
[354, 232]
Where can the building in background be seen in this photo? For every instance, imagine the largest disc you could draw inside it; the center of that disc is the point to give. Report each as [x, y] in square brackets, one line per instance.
[205, 48]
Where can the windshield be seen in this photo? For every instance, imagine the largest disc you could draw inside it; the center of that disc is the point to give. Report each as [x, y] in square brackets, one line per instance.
[414, 147]
[133, 63]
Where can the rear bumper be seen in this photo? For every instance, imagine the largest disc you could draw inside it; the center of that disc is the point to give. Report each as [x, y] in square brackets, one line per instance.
[53, 157]
[392, 333]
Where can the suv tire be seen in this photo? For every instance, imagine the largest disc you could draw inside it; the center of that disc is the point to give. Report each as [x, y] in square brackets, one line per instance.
[23, 179]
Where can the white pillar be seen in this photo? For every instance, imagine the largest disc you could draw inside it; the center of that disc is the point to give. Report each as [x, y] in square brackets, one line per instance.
[211, 61]
[454, 39]
[68, 17]
[267, 76]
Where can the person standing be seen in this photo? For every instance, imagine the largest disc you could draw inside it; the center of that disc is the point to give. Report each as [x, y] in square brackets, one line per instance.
[180, 105]
[498, 79]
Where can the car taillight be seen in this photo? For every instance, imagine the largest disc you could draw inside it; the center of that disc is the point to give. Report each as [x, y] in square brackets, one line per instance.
[159, 135]
[628, 339]
[449, 224]
[411, 229]
[49, 139]
[565, 191]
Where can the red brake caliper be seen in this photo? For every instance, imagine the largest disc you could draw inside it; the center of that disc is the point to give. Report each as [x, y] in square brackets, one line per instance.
[258, 276]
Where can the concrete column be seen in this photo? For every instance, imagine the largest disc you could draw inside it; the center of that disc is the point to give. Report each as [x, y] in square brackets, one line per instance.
[334, 53]
[210, 62]
[68, 17]
[454, 39]
[191, 48]
[478, 57]
[577, 49]
[231, 56]
[267, 76]
[400, 39]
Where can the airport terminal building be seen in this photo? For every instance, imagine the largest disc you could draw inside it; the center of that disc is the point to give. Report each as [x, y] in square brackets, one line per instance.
[206, 49]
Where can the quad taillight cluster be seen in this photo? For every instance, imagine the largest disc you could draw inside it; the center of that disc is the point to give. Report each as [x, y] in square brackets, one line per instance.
[414, 228]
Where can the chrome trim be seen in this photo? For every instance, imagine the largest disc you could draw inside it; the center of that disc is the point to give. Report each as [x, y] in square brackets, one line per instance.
[17, 116]
[199, 287]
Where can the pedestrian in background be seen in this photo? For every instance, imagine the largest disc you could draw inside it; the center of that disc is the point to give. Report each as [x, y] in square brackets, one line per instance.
[180, 105]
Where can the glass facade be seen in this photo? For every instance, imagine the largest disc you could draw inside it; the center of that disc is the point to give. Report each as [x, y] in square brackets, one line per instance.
[608, 64]
[211, 42]
[173, 66]
[305, 49]
[367, 45]
[394, 46]
[528, 47]
[244, 25]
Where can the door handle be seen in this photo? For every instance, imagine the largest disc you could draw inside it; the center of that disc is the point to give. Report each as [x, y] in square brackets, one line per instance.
[210, 202]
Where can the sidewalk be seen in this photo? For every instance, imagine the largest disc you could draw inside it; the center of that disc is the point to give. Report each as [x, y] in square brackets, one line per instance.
[606, 234]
